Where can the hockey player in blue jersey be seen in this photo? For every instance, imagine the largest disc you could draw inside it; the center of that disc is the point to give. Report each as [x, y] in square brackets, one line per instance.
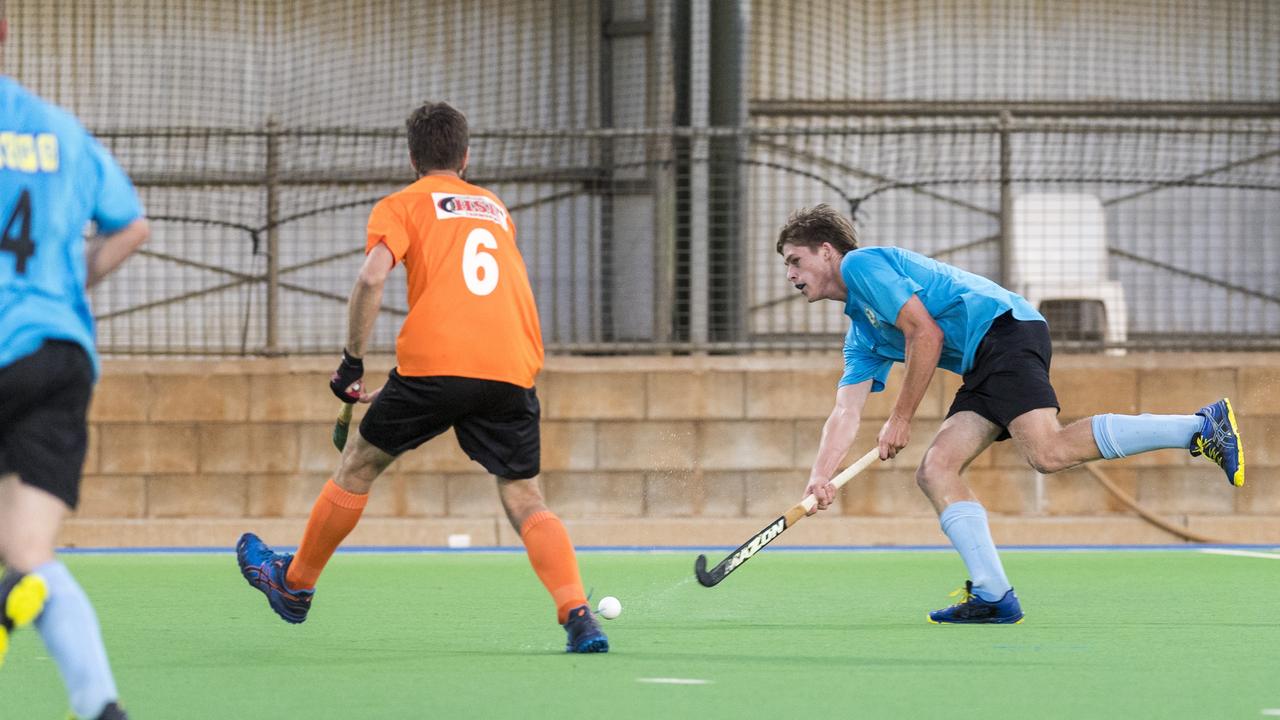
[905, 307]
[54, 179]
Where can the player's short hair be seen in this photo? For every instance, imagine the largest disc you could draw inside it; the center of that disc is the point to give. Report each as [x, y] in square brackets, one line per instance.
[438, 137]
[819, 224]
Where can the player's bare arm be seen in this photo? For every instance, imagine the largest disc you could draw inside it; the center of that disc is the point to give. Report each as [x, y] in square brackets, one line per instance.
[362, 312]
[923, 348]
[105, 252]
[837, 437]
[366, 298]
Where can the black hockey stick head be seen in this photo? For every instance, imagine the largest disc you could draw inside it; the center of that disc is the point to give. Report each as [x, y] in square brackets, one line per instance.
[705, 578]
[735, 559]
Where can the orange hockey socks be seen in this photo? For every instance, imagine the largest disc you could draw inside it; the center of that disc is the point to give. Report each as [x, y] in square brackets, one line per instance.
[551, 555]
[333, 517]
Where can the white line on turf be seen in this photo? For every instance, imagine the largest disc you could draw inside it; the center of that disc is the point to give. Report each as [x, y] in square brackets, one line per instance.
[1241, 553]
[1271, 712]
[674, 681]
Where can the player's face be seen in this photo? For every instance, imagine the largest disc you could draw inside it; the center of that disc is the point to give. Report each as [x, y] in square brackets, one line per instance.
[811, 271]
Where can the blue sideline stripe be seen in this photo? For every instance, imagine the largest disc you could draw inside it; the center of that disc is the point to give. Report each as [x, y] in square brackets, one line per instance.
[412, 549]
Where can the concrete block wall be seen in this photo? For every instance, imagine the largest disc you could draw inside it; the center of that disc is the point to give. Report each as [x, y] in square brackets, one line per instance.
[648, 451]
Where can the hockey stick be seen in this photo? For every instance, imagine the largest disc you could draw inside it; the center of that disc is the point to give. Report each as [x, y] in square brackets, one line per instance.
[712, 577]
[342, 426]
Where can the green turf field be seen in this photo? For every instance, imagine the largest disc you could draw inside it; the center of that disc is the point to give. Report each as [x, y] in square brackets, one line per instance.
[1107, 635]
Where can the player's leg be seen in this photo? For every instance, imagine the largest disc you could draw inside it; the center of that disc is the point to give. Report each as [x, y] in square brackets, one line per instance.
[1010, 377]
[1049, 447]
[406, 413]
[26, 542]
[961, 439]
[988, 594]
[1010, 386]
[554, 561]
[42, 451]
[30, 518]
[289, 580]
[547, 542]
[338, 509]
[1013, 362]
[503, 435]
[1211, 432]
[38, 587]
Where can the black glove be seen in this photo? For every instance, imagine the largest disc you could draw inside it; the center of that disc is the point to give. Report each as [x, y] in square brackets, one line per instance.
[345, 382]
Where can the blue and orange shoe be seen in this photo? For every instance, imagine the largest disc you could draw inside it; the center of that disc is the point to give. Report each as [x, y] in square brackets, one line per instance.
[266, 570]
[585, 635]
[972, 609]
[22, 598]
[1219, 440]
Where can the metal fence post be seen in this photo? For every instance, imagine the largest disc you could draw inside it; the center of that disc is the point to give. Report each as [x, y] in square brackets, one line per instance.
[273, 236]
[1006, 198]
[727, 100]
[699, 180]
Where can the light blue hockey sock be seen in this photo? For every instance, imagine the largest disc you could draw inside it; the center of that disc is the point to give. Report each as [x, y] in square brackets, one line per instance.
[966, 524]
[1121, 435]
[70, 631]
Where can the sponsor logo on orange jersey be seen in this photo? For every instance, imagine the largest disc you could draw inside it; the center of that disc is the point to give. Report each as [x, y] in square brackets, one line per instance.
[450, 206]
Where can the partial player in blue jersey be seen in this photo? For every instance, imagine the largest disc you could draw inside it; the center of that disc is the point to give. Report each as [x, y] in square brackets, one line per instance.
[54, 180]
[905, 307]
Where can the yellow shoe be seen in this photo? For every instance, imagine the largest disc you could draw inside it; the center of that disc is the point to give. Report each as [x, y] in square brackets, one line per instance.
[22, 598]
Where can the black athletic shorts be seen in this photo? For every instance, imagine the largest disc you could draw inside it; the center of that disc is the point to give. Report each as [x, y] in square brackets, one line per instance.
[1010, 374]
[496, 423]
[44, 399]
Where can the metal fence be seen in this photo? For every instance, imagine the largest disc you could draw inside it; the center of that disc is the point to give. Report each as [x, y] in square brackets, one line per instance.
[663, 240]
[1117, 159]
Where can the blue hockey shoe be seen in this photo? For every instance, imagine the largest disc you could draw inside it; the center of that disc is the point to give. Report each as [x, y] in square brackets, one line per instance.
[973, 609]
[1219, 440]
[585, 635]
[22, 598]
[265, 570]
